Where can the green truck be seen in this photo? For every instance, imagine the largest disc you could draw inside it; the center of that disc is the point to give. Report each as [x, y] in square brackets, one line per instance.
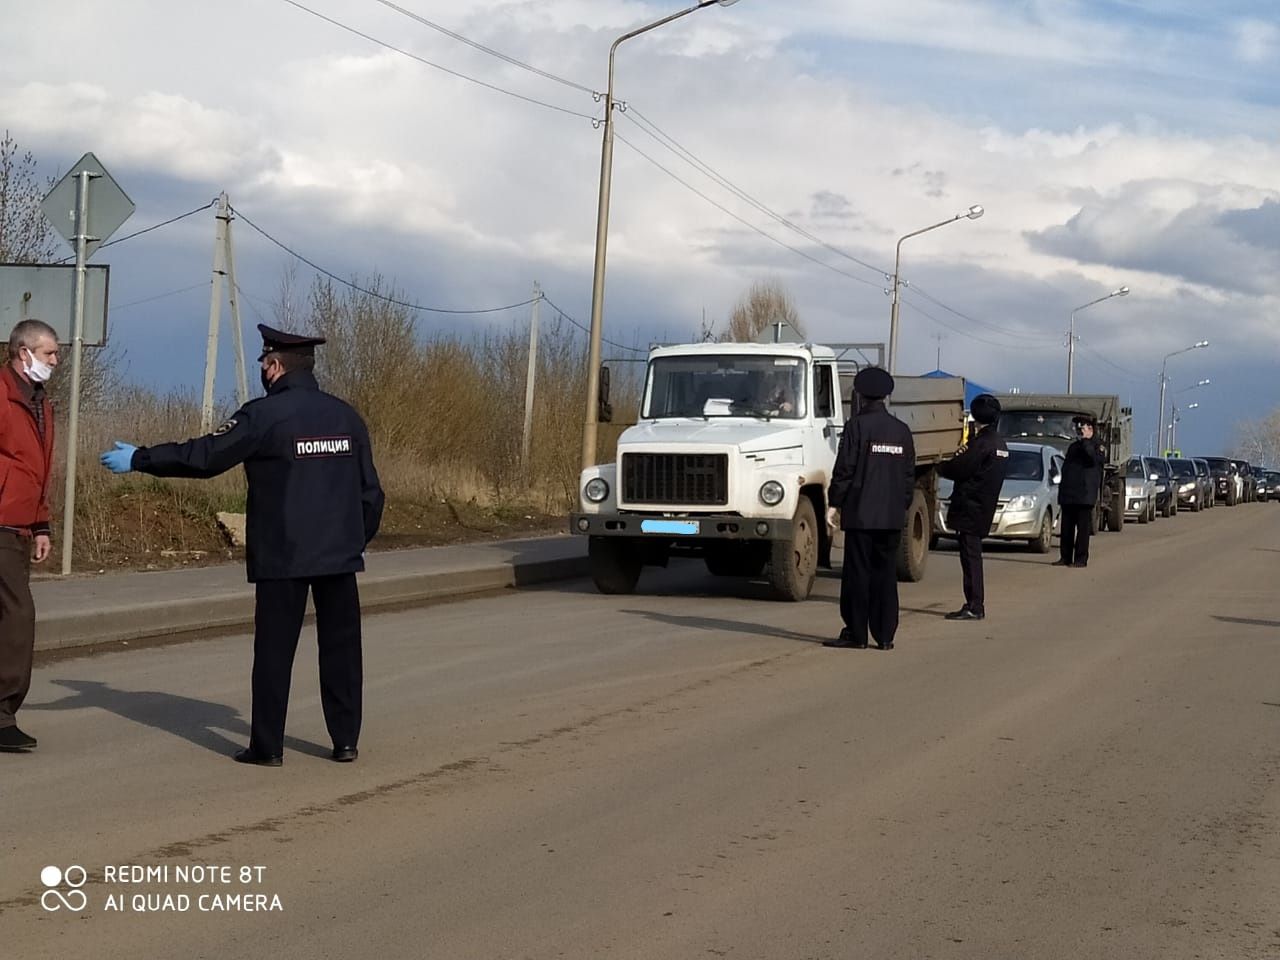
[1047, 418]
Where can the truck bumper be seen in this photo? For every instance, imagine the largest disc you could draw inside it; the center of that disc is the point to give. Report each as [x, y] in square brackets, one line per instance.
[677, 529]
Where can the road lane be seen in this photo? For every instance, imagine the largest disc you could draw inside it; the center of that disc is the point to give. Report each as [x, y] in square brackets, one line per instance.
[686, 772]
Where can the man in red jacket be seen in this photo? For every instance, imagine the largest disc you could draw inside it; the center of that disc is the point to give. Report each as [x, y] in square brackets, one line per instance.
[26, 456]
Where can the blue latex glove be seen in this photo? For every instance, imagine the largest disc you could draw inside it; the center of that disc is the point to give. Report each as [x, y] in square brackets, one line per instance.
[119, 460]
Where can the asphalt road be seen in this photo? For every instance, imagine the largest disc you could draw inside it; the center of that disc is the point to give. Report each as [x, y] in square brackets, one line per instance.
[1091, 772]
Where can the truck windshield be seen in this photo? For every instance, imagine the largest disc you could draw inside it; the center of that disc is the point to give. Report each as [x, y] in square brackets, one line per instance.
[726, 385]
[1037, 423]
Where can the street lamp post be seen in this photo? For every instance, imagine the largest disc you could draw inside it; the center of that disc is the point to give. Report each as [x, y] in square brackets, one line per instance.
[1173, 408]
[1164, 382]
[590, 424]
[1071, 335]
[973, 213]
[1173, 425]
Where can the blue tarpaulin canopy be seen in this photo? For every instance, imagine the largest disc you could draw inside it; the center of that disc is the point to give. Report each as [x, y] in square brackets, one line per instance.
[971, 389]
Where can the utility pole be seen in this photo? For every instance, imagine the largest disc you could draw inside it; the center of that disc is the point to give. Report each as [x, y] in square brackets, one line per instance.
[529, 378]
[222, 217]
[77, 356]
[237, 334]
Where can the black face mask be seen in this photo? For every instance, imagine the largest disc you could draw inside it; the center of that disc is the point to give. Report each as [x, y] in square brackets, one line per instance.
[266, 383]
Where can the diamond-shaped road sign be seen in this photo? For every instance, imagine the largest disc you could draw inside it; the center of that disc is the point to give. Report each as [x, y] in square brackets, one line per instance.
[108, 205]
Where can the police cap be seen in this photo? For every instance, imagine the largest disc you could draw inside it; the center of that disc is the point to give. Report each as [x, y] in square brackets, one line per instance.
[277, 341]
[874, 383]
[985, 408]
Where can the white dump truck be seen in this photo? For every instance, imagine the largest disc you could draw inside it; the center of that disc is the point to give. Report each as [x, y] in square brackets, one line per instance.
[730, 459]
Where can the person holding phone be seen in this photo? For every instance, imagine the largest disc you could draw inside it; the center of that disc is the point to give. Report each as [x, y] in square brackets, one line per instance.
[1078, 492]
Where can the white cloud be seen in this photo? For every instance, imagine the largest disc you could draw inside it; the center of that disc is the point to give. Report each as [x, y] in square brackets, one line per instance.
[1257, 41]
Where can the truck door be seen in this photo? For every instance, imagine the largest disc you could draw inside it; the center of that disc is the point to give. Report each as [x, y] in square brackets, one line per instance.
[826, 404]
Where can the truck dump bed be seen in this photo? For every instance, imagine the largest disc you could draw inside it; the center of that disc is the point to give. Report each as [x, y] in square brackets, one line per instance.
[933, 407]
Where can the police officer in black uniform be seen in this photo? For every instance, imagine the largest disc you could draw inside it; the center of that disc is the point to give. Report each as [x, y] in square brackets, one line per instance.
[1078, 493]
[314, 504]
[871, 487]
[978, 473]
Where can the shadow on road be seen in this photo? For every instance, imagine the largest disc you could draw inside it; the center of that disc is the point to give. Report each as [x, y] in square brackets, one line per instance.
[1247, 622]
[729, 626]
[200, 722]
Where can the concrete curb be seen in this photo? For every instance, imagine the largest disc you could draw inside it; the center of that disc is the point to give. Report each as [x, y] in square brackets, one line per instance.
[224, 610]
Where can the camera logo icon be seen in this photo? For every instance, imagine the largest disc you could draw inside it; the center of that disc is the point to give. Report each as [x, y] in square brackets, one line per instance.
[55, 898]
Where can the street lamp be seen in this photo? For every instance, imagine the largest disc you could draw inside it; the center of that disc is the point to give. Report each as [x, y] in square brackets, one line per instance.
[1173, 425]
[1071, 335]
[973, 213]
[602, 237]
[1173, 408]
[1164, 381]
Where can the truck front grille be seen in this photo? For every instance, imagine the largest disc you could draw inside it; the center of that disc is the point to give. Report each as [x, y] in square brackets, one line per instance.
[684, 479]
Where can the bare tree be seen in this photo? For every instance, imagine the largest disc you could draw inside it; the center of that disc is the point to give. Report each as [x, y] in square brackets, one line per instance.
[1258, 441]
[764, 305]
[25, 235]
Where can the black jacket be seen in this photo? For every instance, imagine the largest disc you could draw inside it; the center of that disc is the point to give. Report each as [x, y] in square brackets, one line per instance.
[314, 499]
[978, 473]
[1082, 473]
[875, 471]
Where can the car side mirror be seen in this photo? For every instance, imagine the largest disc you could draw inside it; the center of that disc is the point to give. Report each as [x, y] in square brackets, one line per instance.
[1057, 478]
[1155, 476]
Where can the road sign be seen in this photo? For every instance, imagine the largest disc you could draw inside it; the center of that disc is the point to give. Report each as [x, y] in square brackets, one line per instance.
[47, 292]
[109, 207]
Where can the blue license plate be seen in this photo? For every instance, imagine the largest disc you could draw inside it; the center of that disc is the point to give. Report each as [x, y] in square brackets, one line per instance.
[685, 528]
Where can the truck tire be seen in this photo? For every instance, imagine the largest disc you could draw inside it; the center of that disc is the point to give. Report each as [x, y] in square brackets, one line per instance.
[736, 559]
[615, 564]
[1042, 543]
[793, 563]
[1115, 516]
[913, 552]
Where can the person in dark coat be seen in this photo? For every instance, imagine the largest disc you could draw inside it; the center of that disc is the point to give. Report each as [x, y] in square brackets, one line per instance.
[1078, 493]
[872, 485]
[978, 473]
[314, 504]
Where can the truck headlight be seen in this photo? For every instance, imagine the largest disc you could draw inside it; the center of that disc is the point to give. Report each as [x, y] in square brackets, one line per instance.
[771, 493]
[596, 490]
[1022, 503]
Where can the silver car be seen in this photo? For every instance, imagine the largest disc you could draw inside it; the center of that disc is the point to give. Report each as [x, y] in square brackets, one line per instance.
[1139, 490]
[1028, 506]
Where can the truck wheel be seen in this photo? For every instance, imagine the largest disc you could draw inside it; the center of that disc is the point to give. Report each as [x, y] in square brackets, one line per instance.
[736, 559]
[793, 563]
[1041, 543]
[615, 564]
[1115, 516]
[913, 552]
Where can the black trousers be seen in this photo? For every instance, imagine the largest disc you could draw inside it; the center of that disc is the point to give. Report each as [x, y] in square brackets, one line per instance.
[280, 606]
[869, 584]
[975, 593]
[1076, 522]
[17, 624]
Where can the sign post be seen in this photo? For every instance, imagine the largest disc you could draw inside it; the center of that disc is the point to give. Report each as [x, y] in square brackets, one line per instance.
[85, 225]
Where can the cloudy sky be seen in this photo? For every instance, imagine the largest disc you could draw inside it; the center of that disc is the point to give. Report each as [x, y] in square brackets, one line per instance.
[1112, 142]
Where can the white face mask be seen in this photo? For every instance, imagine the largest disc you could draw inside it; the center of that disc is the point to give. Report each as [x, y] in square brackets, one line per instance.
[36, 369]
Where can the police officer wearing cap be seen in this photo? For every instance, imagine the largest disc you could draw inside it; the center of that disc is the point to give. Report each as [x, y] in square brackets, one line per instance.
[1078, 493]
[871, 487]
[978, 473]
[314, 504]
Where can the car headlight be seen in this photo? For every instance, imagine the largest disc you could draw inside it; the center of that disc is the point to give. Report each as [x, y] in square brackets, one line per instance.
[596, 490]
[1186, 488]
[771, 493]
[1023, 502]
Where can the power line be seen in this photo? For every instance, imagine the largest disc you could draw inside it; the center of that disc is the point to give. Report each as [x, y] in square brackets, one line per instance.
[154, 226]
[969, 335]
[160, 296]
[1129, 374]
[484, 49]
[613, 343]
[365, 290]
[913, 288]
[435, 66]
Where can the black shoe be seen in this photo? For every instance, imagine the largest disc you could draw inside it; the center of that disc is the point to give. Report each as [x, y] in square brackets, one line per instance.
[885, 646]
[964, 613]
[1081, 563]
[249, 755]
[846, 641]
[13, 740]
[345, 754]
[1060, 563]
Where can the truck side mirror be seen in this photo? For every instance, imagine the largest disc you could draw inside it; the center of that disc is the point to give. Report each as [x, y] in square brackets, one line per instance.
[604, 412]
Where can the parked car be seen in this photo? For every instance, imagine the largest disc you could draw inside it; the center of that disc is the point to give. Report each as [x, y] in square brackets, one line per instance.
[1227, 484]
[1248, 481]
[1206, 481]
[1139, 490]
[1269, 486]
[1189, 488]
[1028, 505]
[1166, 492]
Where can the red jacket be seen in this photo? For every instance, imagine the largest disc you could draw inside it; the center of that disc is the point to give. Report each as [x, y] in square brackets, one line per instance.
[25, 459]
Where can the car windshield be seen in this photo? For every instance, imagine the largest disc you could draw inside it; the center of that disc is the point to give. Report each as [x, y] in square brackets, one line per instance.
[726, 385]
[1025, 465]
[1202, 468]
[1240, 465]
[1160, 466]
[1183, 469]
[1037, 423]
[1133, 470]
[1220, 468]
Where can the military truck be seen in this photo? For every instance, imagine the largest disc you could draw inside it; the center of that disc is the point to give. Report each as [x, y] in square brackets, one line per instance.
[1047, 418]
[731, 457]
